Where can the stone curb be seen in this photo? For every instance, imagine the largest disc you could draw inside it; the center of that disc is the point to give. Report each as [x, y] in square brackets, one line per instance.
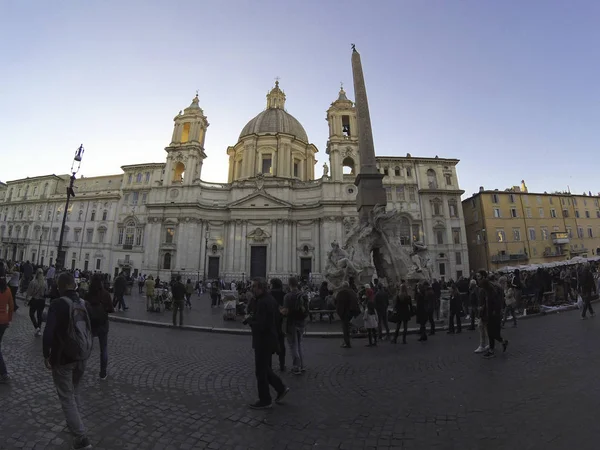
[313, 334]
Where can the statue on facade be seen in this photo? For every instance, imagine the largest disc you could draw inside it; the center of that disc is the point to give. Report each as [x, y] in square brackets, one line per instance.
[325, 170]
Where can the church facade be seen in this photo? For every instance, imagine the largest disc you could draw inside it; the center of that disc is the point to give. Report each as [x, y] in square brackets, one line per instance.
[272, 218]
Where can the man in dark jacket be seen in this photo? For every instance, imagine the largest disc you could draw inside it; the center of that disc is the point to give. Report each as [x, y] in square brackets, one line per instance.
[265, 342]
[178, 291]
[346, 304]
[119, 287]
[66, 373]
[588, 286]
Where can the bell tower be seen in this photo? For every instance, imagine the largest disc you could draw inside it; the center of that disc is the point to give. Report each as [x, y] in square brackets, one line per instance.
[342, 145]
[185, 153]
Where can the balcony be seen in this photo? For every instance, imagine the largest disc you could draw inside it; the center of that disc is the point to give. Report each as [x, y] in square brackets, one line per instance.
[559, 238]
[127, 247]
[125, 262]
[578, 251]
[509, 257]
[549, 253]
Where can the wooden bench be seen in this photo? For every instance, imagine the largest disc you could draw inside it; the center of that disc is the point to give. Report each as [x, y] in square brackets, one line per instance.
[321, 312]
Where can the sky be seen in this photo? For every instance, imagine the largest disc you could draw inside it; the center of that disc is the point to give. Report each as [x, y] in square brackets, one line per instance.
[508, 87]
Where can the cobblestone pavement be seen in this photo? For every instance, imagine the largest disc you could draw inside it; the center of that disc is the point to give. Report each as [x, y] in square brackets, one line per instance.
[173, 389]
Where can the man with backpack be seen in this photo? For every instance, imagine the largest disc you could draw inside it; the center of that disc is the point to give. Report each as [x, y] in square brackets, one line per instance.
[67, 346]
[295, 308]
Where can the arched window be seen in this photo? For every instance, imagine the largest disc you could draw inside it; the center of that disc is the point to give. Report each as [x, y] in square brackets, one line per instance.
[179, 173]
[397, 171]
[104, 214]
[404, 231]
[80, 217]
[432, 179]
[129, 232]
[167, 261]
[34, 190]
[138, 178]
[25, 231]
[348, 166]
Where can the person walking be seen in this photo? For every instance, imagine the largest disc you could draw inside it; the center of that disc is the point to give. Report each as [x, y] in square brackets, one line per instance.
[346, 305]
[509, 301]
[119, 287]
[150, 293]
[371, 319]
[588, 286]
[263, 323]
[403, 312]
[456, 303]
[491, 310]
[189, 291]
[13, 285]
[99, 306]
[36, 294]
[279, 296]
[141, 281]
[473, 302]
[178, 291]
[295, 310]
[67, 345]
[382, 302]
[50, 274]
[7, 307]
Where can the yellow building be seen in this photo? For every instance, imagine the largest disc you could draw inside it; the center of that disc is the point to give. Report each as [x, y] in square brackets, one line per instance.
[516, 227]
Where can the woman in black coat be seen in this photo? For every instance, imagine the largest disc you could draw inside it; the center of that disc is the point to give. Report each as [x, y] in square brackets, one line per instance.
[402, 309]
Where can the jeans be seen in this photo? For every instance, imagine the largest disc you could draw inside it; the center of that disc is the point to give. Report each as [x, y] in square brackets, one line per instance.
[3, 371]
[372, 333]
[188, 302]
[404, 324]
[265, 375]
[119, 301]
[66, 380]
[494, 331]
[281, 353]
[140, 287]
[454, 313]
[177, 306]
[103, 341]
[511, 309]
[13, 291]
[36, 310]
[587, 304]
[294, 338]
[383, 322]
[346, 331]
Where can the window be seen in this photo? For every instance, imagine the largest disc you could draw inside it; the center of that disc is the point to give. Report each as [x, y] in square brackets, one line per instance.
[439, 237]
[129, 233]
[452, 209]
[346, 126]
[442, 269]
[544, 231]
[397, 171]
[577, 214]
[448, 178]
[121, 232]
[89, 235]
[574, 202]
[138, 236]
[511, 198]
[500, 235]
[458, 257]
[532, 234]
[138, 178]
[432, 179]
[565, 213]
[590, 232]
[101, 234]
[495, 198]
[144, 197]
[400, 193]
[551, 200]
[408, 172]
[553, 213]
[538, 199]
[134, 198]
[587, 214]
[459, 274]
[516, 234]
[296, 168]
[513, 213]
[570, 231]
[34, 190]
[580, 232]
[54, 234]
[388, 193]
[497, 212]
[525, 199]
[437, 209]
[93, 216]
[104, 214]
[456, 235]
[385, 172]
[266, 164]
[412, 194]
[167, 261]
[98, 262]
[129, 178]
[416, 233]
[541, 212]
[404, 231]
[528, 213]
[76, 235]
[49, 215]
[147, 177]
[169, 235]
[45, 189]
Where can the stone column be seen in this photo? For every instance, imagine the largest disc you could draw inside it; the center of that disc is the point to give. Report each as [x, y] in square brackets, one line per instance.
[273, 250]
[286, 245]
[243, 247]
[294, 248]
[230, 246]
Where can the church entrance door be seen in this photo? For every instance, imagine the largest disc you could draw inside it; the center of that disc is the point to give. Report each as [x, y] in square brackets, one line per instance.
[213, 267]
[305, 267]
[258, 261]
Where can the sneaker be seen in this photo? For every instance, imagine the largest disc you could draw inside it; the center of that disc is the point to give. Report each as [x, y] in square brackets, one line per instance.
[103, 376]
[489, 354]
[82, 444]
[344, 345]
[504, 345]
[480, 349]
[282, 395]
[260, 405]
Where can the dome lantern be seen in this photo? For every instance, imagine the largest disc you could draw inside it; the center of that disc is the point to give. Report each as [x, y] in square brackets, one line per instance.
[276, 98]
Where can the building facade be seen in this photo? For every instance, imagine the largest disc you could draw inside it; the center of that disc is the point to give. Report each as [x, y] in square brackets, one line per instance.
[516, 227]
[272, 218]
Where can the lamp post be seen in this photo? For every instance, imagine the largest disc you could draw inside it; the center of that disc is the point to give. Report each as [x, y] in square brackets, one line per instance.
[39, 248]
[206, 236]
[60, 257]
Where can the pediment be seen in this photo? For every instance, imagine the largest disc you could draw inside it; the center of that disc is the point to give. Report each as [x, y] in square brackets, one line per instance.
[259, 200]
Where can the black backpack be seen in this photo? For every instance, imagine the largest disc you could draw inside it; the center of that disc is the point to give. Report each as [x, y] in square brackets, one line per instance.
[97, 313]
[300, 311]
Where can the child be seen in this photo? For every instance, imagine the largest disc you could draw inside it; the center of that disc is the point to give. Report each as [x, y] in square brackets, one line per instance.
[371, 323]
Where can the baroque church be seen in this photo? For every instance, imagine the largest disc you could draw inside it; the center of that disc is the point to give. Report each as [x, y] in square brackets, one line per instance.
[272, 218]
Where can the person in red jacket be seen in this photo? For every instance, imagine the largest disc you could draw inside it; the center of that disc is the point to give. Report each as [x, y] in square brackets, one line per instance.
[7, 307]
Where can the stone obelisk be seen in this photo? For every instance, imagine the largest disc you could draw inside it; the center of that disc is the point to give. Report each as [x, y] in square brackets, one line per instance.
[368, 181]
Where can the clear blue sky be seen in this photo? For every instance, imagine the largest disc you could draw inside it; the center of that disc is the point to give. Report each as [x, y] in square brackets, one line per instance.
[508, 87]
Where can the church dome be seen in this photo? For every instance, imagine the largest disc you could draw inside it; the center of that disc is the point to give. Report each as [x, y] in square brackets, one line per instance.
[275, 119]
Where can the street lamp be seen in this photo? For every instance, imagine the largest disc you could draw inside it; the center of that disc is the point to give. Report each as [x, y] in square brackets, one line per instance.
[206, 236]
[60, 257]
